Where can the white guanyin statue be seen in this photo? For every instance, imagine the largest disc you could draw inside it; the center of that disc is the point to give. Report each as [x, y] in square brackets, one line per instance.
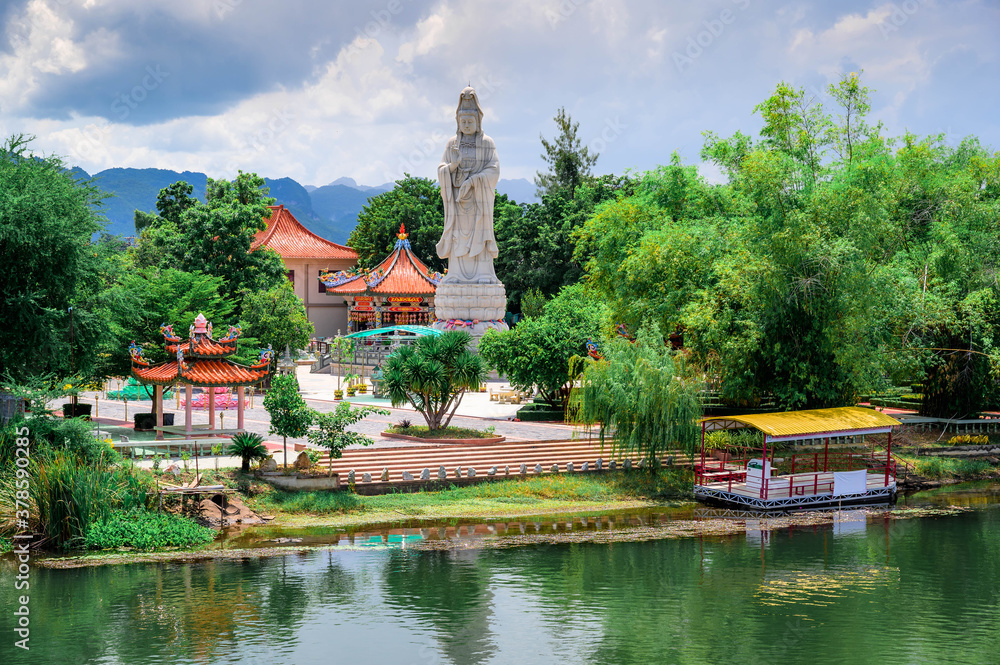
[470, 297]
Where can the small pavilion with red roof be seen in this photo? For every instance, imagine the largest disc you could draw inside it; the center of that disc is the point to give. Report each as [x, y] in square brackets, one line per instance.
[305, 255]
[398, 291]
[200, 362]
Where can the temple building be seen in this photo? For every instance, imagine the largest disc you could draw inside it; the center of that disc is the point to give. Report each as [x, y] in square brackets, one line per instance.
[307, 256]
[398, 291]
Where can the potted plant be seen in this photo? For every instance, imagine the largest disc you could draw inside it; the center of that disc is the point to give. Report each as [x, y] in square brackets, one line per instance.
[338, 394]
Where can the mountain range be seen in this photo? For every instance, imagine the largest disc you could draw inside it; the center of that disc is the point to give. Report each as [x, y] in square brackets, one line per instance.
[330, 211]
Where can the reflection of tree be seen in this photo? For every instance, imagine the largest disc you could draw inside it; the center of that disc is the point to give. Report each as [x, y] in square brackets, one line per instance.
[449, 590]
[335, 583]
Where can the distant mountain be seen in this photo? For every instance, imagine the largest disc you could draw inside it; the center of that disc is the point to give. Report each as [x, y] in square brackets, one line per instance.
[330, 211]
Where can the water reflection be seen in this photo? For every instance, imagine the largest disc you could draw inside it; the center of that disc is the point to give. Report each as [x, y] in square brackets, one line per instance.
[913, 590]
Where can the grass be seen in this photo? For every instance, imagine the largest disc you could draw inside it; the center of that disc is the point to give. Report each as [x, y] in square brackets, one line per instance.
[949, 467]
[547, 493]
[423, 432]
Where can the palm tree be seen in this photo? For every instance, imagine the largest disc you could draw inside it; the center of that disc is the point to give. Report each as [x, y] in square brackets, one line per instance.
[433, 375]
[248, 446]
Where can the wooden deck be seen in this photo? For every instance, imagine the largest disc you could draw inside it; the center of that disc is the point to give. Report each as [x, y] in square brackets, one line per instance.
[794, 491]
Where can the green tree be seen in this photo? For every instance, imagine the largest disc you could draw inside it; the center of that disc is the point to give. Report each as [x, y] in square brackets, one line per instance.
[644, 397]
[415, 202]
[536, 241]
[142, 301]
[432, 375]
[537, 352]
[332, 431]
[217, 236]
[569, 161]
[290, 417]
[51, 266]
[171, 203]
[277, 317]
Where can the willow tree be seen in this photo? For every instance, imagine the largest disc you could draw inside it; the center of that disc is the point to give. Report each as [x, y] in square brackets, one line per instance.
[642, 395]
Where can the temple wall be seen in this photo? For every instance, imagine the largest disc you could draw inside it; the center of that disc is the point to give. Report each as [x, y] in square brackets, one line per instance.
[328, 314]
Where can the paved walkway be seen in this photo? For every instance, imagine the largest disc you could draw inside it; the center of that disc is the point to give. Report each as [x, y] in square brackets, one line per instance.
[476, 412]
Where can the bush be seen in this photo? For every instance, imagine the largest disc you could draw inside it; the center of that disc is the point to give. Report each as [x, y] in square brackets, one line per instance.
[969, 440]
[143, 530]
[248, 447]
[68, 495]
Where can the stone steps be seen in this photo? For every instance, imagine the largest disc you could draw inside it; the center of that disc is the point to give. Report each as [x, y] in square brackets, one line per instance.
[480, 457]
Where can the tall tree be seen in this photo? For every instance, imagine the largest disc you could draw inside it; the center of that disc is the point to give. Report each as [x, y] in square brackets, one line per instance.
[217, 236]
[277, 317]
[171, 203]
[47, 222]
[568, 159]
[415, 202]
[643, 395]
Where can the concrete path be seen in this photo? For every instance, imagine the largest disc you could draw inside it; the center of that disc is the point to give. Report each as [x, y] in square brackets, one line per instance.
[476, 412]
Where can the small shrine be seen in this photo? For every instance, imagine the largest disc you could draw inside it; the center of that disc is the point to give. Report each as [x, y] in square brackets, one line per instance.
[201, 362]
[398, 291]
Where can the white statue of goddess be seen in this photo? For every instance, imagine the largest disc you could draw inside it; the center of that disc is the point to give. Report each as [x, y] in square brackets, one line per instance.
[468, 174]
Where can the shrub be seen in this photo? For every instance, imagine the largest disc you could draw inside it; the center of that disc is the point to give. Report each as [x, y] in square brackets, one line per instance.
[143, 530]
[969, 440]
[68, 495]
[248, 446]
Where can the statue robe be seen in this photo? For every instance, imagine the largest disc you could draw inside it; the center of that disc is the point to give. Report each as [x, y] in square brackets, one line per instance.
[468, 229]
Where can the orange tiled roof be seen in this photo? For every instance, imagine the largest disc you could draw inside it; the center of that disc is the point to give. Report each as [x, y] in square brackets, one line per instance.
[399, 273]
[286, 236]
[204, 348]
[201, 373]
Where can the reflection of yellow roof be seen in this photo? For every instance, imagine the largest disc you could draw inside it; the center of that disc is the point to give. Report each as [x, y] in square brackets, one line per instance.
[805, 423]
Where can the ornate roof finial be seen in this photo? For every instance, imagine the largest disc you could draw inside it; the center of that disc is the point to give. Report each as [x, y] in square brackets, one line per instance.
[200, 324]
[402, 235]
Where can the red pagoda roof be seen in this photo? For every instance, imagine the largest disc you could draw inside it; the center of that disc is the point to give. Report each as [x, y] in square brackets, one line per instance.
[204, 365]
[206, 348]
[202, 373]
[399, 273]
[286, 236]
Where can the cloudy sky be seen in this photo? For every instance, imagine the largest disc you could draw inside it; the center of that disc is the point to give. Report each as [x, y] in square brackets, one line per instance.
[319, 89]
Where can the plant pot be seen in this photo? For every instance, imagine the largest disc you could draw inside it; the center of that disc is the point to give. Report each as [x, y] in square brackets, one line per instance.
[146, 422]
[350, 393]
[338, 394]
[77, 411]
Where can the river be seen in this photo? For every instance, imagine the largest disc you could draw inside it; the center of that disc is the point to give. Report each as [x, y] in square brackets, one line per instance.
[865, 589]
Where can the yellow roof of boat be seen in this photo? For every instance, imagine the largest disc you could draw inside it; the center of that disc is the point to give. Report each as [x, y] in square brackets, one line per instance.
[804, 423]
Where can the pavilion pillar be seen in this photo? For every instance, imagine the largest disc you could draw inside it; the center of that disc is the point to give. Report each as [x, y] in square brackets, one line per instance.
[211, 409]
[239, 407]
[888, 458]
[158, 396]
[826, 451]
[187, 410]
[763, 472]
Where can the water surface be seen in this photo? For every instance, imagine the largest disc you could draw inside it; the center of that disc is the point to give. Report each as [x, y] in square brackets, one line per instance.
[922, 590]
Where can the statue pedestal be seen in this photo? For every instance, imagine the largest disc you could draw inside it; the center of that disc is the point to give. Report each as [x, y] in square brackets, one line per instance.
[474, 308]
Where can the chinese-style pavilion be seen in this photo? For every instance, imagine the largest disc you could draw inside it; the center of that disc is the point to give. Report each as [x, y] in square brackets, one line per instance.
[201, 361]
[398, 291]
[305, 255]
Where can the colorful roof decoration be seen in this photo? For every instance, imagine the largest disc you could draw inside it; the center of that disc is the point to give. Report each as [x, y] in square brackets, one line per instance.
[286, 236]
[400, 272]
[200, 360]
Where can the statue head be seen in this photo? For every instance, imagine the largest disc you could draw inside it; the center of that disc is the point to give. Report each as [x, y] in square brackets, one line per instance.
[469, 109]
